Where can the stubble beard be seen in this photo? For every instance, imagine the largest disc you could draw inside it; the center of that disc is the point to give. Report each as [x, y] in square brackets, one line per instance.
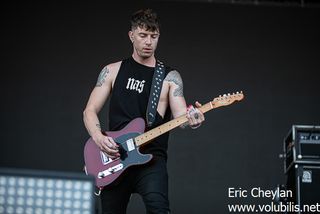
[145, 55]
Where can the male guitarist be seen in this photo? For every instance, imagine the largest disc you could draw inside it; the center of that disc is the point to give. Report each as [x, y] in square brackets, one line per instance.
[129, 81]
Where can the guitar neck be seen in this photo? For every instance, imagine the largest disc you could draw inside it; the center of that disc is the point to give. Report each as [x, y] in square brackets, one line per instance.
[153, 133]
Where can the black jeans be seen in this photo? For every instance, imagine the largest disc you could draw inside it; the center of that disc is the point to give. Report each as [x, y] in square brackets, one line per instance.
[149, 180]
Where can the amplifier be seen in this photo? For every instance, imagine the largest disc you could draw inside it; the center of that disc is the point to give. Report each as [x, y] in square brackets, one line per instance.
[301, 146]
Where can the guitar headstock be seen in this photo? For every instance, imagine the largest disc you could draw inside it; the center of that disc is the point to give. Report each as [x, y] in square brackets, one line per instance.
[227, 99]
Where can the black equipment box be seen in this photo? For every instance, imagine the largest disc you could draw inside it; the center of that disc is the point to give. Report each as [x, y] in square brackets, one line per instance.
[304, 183]
[301, 146]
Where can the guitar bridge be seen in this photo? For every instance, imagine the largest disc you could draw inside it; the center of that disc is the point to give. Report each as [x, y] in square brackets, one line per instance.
[110, 171]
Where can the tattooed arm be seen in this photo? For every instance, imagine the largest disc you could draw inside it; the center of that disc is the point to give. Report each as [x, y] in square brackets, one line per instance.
[97, 98]
[96, 101]
[177, 101]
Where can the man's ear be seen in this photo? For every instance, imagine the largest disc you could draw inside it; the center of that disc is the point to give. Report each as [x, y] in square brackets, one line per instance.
[130, 34]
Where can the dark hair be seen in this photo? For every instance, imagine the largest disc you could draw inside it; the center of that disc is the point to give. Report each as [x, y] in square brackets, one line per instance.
[146, 19]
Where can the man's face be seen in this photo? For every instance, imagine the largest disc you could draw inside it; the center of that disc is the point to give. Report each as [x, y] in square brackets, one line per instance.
[144, 42]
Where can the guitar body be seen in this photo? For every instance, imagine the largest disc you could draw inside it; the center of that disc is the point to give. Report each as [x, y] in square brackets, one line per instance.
[104, 169]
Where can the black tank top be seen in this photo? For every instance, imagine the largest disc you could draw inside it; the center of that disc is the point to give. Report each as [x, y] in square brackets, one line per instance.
[129, 100]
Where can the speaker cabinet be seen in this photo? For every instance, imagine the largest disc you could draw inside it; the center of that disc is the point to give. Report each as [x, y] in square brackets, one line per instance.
[304, 182]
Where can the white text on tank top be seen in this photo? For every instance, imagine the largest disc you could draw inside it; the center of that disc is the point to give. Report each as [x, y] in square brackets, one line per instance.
[135, 85]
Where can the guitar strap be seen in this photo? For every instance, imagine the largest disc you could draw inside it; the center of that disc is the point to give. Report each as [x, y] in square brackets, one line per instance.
[156, 86]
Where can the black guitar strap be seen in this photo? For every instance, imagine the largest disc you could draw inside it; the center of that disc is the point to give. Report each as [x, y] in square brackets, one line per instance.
[158, 77]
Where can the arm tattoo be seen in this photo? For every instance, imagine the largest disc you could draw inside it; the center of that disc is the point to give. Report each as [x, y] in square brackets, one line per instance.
[98, 125]
[175, 77]
[102, 76]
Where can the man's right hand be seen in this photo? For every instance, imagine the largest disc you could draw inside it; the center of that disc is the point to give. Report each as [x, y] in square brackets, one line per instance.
[107, 145]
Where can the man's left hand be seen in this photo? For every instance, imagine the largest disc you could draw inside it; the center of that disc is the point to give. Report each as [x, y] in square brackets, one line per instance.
[194, 115]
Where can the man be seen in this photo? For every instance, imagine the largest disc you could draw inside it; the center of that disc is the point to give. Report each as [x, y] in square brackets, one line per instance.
[128, 82]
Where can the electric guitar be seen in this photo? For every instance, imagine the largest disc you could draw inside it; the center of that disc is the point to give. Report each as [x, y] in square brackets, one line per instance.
[131, 138]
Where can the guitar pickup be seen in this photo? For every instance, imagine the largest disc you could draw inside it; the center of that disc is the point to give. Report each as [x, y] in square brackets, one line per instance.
[110, 170]
[130, 145]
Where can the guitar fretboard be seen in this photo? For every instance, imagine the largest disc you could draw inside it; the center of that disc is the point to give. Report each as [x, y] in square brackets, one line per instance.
[217, 102]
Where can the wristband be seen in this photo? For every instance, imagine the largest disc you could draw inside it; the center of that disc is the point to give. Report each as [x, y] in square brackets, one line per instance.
[196, 126]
